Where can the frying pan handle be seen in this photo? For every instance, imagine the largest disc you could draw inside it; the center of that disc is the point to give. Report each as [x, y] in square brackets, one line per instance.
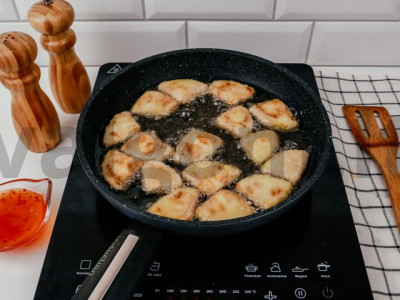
[125, 261]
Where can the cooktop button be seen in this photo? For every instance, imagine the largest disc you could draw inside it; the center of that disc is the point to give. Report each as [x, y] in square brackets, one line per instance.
[323, 267]
[137, 295]
[300, 293]
[327, 293]
[297, 269]
[270, 296]
[155, 267]
[85, 264]
[275, 268]
[250, 268]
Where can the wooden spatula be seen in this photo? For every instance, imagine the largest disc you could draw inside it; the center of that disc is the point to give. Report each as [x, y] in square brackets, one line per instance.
[382, 148]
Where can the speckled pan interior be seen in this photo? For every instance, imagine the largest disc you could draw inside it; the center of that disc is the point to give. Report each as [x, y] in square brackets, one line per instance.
[119, 92]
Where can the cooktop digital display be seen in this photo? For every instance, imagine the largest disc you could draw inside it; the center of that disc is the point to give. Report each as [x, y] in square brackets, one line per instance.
[311, 252]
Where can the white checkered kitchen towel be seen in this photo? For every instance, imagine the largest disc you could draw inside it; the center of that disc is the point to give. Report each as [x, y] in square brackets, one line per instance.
[365, 186]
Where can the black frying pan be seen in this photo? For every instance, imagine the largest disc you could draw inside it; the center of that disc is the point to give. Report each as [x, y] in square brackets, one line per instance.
[118, 93]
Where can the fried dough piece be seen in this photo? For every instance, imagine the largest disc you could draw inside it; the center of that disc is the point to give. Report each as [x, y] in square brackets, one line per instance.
[147, 146]
[183, 90]
[197, 145]
[154, 104]
[210, 176]
[289, 165]
[237, 121]
[264, 190]
[158, 177]
[259, 146]
[119, 169]
[120, 128]
[177, 205]
[275, 114]
[231, 92]
[223, 205]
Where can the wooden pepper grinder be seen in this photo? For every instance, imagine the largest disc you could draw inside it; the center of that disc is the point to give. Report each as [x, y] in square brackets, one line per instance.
[34, 116]
[68, 78]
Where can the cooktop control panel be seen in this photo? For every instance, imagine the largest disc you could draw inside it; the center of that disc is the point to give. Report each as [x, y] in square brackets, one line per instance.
[252, 281]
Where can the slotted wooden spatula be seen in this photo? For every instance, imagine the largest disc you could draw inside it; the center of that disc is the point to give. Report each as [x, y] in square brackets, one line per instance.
[382, 148]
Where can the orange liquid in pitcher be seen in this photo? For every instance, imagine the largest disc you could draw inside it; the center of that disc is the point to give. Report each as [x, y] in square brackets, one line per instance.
[21, 214]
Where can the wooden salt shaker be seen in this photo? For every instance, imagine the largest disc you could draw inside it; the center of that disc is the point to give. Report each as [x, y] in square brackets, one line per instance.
[34, 116]
[68, 78]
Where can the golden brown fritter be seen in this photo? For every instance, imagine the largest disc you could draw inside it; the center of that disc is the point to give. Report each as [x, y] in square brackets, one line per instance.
[231, 92]
[264, 191]
[289, 165]
[119, 169]
[158, 177]
[147, 146]
[210, 176]
[223, 205]
[197, 145]
[154, 104]
[237, 121]
[120, 128]
[177, 205]
[259, 146]
[183, 90]
[275, 114]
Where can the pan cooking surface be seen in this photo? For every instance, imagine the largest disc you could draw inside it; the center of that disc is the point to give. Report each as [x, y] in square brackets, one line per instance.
[119, 92]
[201, 114]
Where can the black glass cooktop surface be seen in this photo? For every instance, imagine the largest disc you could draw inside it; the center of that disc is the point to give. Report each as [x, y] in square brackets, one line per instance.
[311, 252]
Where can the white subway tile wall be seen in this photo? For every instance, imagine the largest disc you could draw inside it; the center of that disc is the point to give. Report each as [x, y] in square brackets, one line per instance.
[95, 9]
[338, 10]
[210, 9]
[349, 43]
[102, 42]
[280, 42]
[7, 11]
[318, 32]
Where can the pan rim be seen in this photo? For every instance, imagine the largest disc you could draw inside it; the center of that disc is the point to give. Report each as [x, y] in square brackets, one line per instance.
[174, 224]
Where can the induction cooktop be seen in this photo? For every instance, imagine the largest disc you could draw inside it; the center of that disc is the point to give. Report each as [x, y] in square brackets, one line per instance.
[311, 252]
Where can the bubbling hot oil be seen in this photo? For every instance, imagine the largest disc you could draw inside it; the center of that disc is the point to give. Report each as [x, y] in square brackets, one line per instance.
[202, 114]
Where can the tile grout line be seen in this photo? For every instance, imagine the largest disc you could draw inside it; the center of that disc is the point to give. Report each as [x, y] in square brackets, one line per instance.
[187, 34]
[144, 9]
[218, 20]
[310, 42]
[237, 20]
[312, 65]
[16, 10]
[274, 10]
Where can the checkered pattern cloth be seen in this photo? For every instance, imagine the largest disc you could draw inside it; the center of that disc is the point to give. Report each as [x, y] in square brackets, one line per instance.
[365, 186]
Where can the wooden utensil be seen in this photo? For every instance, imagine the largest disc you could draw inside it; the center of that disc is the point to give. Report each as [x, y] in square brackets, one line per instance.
[68, 78]
[34, 116]
[382, 148]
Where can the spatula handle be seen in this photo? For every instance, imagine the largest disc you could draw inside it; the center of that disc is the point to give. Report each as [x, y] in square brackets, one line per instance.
[394, 193]
[386, 159]
[118, 273]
